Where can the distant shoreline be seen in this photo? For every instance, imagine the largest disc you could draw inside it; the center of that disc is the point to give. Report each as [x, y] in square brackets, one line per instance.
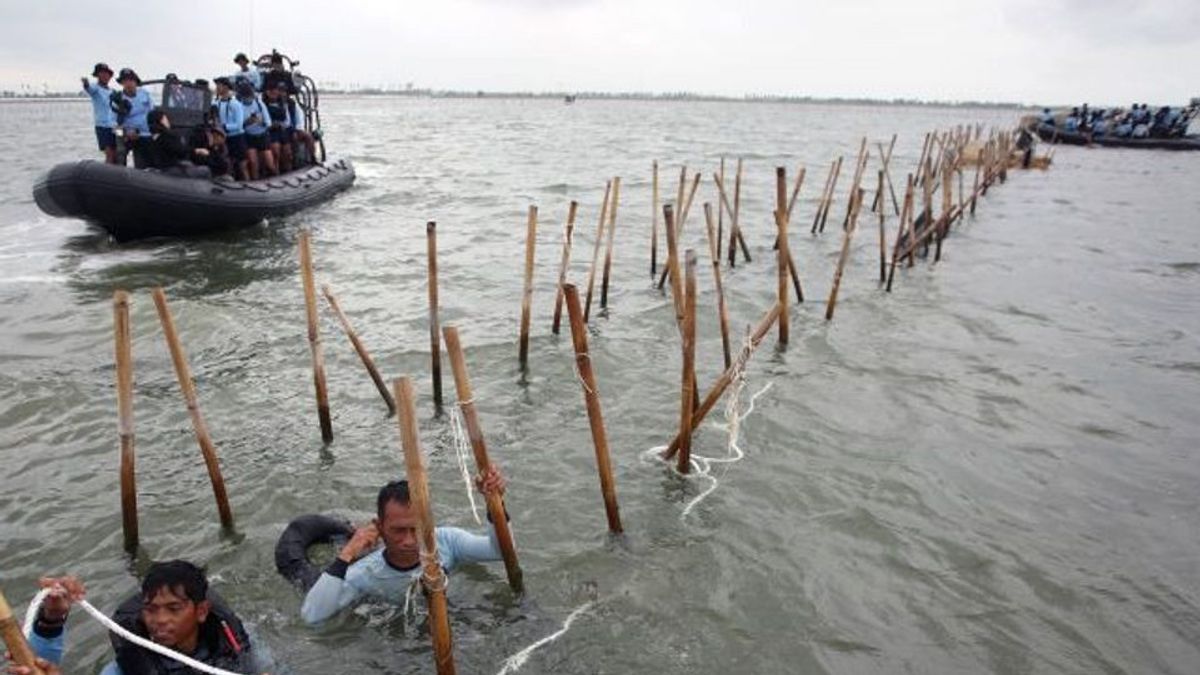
[597, 96]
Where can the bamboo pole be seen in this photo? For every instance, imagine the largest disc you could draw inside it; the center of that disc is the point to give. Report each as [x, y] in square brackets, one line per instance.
[882, 235]
[591, 398]
[975, 189]
[495, 502]
[314, 337]
[855, 204]
[860, 166]
[527, 292]
[681, 218]
[435, 333]
[612, 229]
[688, 388]
[18, 647]
[360, 349]
[188, 389]
[124, 364]
[824, 196]
[782, 258]
[832, 188]
[905, 226]
[720, 214]
[653, 222]
[673, 262]
[722, 311]
[718, 388]
[433, 578]
[735, 222]
[944, 222]
[887, 174]
[566, 256]
[587, 309]
[734, 234]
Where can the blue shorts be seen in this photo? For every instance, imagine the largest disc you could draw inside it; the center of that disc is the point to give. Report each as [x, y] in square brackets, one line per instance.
[257, 141]
[236, 145]
[106, 138]
[280, 136]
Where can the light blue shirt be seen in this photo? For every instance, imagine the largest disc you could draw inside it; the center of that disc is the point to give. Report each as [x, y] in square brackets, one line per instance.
[102, 112]
[231, 115]
[254, 75]
[372, 576]
[252, 106]
[140, 105]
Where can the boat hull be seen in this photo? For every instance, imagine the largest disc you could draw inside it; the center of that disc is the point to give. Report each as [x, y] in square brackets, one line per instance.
[1055, 135]
[136, 204]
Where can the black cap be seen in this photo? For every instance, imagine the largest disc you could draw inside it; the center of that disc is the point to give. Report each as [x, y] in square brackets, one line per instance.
[101, 67]
[127, 74]
[240, 57]
[200, 82]
[222, 80]
[172, 77]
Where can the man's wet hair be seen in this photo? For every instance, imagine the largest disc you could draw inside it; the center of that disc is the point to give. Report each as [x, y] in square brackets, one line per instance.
[179, 577]
[395, 491]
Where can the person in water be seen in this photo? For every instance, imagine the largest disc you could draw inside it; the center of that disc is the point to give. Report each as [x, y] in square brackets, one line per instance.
[230, 117]
[175, 609]
[135, 104]
[386, 573]
[258, 141]
[245, 72]
[103, 116]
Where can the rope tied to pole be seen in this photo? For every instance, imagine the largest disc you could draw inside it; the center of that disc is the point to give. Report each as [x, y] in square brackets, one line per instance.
[579, 375]
[462, 447]
[120, 631]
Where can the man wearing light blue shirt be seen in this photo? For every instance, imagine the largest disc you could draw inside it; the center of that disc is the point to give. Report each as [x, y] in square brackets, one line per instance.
[387, 573]
[258, 143]
[231, 116]
[245, 72]
[135, 104]
[102, 113]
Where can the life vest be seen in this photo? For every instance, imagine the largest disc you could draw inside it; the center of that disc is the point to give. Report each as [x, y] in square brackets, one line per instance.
[214, 647]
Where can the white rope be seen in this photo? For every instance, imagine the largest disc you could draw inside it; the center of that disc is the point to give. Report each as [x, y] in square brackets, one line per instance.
[461, 448]
[36, 603]
[513, 663]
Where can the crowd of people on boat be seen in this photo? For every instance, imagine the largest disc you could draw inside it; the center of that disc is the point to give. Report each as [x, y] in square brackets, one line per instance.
[254, 128]
[1136, 122]
[176, 609]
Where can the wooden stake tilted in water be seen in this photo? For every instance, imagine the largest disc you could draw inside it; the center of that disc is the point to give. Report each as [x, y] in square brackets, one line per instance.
[591, 397]
[687, 393]
[435, 331]
[837, 171]
[736, 224]
[782, 258]
[904, 230]
[433, 577]
[860, 165]
[527, 293]
[824, 196]
[943, 224]
[495, 503]
[975, 189]
[855, 205]
[612, 229]
[654, 220]
[681, 215]
[124, 363]
[886, 158]
[722, 310]
[566, 262]
[18, 647]
[882, 234]
[587, 309]
[314, 337]
[722, 383]
[360, 349]
[735, 235]
[720, 213]
[188, 389]
[673, 263]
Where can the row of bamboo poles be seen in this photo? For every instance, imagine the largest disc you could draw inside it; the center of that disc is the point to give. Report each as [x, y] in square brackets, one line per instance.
[945, 156]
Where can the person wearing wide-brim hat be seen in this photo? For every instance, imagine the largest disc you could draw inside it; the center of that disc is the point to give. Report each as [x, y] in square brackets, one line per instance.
[103, 116]
[245, 72]
[135, 105]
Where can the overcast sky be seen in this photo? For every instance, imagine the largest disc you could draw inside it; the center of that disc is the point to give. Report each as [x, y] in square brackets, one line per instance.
[1054, 51]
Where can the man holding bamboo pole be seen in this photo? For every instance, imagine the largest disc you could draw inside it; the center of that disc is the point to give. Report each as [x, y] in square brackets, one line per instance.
[362, 568]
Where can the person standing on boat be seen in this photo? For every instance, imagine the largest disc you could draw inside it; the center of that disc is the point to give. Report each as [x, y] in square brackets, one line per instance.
[245, 72]
[1047, 117]
[387, 573]
[103, 115]
[258, 143]
[136, 104]
[175, 609]
[281, 125]
[231, 118]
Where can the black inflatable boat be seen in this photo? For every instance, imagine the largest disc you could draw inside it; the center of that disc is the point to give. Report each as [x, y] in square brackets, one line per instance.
[138, 203]
[1052, 134]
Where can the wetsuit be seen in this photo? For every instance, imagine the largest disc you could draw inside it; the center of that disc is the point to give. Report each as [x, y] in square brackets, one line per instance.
[341, 584]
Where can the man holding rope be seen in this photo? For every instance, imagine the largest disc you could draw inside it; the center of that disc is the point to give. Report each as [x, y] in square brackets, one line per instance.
[175, 609]
[387, 573]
